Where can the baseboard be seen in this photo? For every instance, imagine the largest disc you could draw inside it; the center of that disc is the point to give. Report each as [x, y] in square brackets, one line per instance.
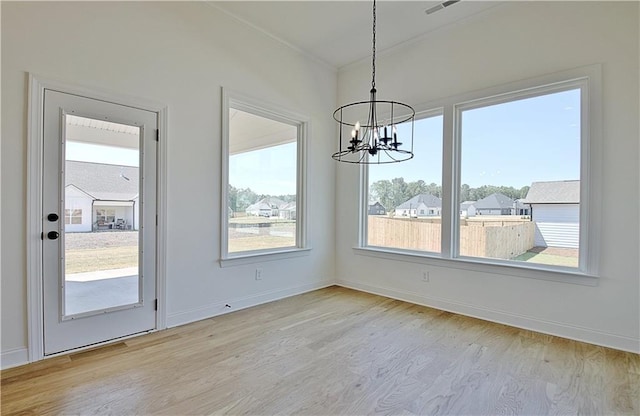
[220, 308]
[14, 358]
[520, 321]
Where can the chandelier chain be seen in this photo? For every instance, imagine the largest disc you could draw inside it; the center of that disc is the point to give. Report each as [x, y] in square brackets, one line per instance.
[373, 49]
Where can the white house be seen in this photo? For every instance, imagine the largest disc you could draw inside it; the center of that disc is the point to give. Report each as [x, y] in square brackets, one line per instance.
[423, 205]
[468, 209]
[288, 211]
[555, 209]
[495, 204]
[100, 196]
[266, 207]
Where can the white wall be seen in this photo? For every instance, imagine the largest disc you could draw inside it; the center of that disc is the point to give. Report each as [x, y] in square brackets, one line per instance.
[512, 42]
[180, 54]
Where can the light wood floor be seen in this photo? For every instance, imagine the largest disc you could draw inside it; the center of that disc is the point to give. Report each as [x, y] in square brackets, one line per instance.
[332, 351]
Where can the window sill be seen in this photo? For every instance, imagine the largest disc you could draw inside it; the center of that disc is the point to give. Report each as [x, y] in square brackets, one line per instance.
[531, 271]
[262, 256]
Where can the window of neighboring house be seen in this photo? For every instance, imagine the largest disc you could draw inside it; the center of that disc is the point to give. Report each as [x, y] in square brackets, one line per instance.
[402, 187]
[105, 215]
[73, 216]
[523, 150]
[265, 181]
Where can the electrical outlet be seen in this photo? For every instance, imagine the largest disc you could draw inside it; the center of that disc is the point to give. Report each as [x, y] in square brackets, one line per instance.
[425, 275]
[258, 274]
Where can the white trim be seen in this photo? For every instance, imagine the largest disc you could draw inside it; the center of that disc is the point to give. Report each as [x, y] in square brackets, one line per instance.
[274, 112]
[14, 358]
[250, 257]
[162, 212]
[483, 265]
[559, 329]
[220, 308]
[37, 86]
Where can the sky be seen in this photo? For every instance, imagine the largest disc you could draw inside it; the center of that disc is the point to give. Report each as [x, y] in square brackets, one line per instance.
[510, 144]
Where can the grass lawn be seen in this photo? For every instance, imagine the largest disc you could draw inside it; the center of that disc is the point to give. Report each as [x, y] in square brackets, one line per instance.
[544, 258]
[94, 259]
[260, 243]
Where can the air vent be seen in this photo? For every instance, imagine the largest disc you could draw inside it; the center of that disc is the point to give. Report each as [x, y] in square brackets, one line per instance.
[441, 6]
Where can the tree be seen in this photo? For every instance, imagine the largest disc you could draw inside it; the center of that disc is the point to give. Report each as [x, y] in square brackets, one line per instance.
[382, 192]
[464, 193]
[399, 191]
[244, 198]
[416, 188]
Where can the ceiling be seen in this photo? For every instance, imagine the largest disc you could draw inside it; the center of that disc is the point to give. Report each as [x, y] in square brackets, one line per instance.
[338, 33]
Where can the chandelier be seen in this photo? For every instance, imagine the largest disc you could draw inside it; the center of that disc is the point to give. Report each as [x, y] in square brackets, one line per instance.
[376, 140]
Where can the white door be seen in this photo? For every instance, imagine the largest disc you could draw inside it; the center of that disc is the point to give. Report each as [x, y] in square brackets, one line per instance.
[99, 222]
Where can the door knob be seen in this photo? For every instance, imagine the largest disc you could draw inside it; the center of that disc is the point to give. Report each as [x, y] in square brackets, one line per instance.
[53, 235]
[53, 217]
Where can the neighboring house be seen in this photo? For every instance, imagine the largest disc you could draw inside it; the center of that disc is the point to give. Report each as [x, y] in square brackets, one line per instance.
[495, 204]
[266, 207]
[100, 196]
[521, 207]
[288, 211]
[376, 209]
[468, 209]
[423, 205]
[555, 209]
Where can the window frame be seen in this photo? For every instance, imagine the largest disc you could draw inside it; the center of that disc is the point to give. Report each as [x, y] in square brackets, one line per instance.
[242, 102]
[589, 80]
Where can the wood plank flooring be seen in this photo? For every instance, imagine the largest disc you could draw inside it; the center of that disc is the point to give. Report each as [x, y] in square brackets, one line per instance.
[329, 352]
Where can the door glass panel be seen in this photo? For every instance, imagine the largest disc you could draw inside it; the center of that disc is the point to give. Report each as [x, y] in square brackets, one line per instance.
[101, 215]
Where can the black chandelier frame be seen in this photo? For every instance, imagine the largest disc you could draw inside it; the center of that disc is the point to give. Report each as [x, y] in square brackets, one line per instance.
[374, 142]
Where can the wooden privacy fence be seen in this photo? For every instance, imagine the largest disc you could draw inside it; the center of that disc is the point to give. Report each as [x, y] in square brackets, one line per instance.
[495, 238]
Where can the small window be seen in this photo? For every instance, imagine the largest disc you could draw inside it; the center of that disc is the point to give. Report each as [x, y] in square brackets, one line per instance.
[411, 193]
[73, 216]
[264, 180]
[520, 170]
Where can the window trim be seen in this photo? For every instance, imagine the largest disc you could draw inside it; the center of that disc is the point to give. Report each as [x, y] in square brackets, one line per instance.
[589, 78]
[242, 102]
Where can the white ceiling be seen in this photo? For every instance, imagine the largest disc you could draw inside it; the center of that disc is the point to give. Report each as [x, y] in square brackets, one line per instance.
[338, 33]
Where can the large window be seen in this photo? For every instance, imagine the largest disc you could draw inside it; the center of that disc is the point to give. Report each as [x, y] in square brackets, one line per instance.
[520, 183]
[405, 199]
[264, 206]
[520, 175]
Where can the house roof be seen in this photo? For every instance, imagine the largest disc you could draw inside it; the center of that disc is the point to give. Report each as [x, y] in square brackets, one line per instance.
[554, 192]
[266, 204]
[467, 204]
[494, 201]
[426, 199]
[102, 181]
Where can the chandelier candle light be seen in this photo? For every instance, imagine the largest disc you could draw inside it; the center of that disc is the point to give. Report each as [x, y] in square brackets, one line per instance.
[375, 141]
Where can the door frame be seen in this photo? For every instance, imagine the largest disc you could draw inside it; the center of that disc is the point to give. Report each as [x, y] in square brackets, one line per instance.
[35, 131]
